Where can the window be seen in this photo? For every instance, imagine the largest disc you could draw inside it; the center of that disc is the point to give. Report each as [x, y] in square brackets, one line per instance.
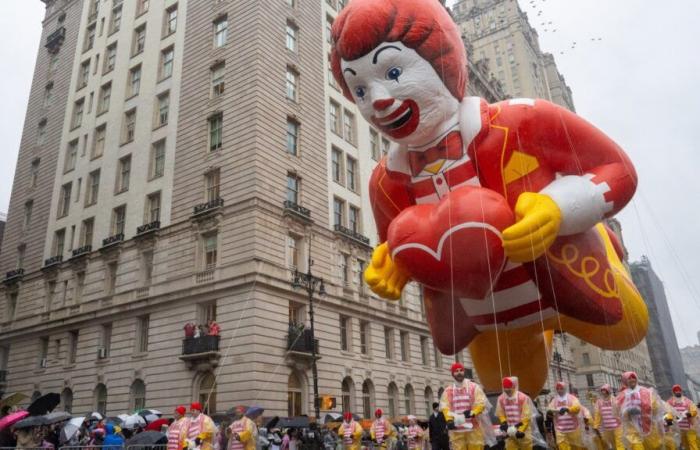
[77, 118]
[134, 81]
[111, 278]
[64, 200]
[351, 178]
[292, 77]
[48, 94]
[590, 382]
[354, 219]
[106, 338]
[408, 395]
[220, 31]
[338, 212]
[347, 390]
[393, 400]
[211, 182]
[28, 208]
[110, 58]
[292, 137]
[59, 239]
[170, 25]
[586, 359]
[87, 231]
[105, 96]
[349, 126]
[364, 337]
[218, 82]
[424, 351]
[153, 207]
[84, 74]
[389, 342]
[118, 220]
[438, 357]
[139, 40]
[163, 109]
[89, 38]
[293, 183]
[404, 346]
[53, 63]
[100, 399]
[385, 146]
[166, 62]
[142, 335]
[367, 398]
[98, 143]
[295, 247]
[72, 348]
[123, 174]
[34, 172]
[374, 143]
[93, 188]
[336, 165]
[335, 117]
[11, 305]
[331, 77]
[158, 159]
[141, 7]
[329, 28]
[345, 268]
[292, 34]
[43, 352]
[41, 132]
[344, 333]
[115, 22]
[216, 124]
[71, 156]
[79, 285]
[294, 396]
[129, 130]
[210, 250]
[360, 273]
[21, 249]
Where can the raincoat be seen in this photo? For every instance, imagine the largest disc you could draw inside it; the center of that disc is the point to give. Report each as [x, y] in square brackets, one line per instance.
[565, 410]
[112, 441]
[202, 427]
[381, 431]
[350, 434]
[470, 433]
[177, 433]
[518, 412]
[688, 426]
[641, 413]
[247, 434]
[606, 421]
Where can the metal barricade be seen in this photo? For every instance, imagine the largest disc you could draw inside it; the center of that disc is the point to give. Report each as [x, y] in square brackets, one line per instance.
[23, 448]
[147, 447]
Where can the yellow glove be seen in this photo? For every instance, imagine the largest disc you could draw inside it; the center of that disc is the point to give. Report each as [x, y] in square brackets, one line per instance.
[537, 224]
[384, 277]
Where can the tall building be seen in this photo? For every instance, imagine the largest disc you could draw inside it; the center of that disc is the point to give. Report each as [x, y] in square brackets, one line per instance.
[180, 159]
[666, 361]
[691, 363]
[3, 220]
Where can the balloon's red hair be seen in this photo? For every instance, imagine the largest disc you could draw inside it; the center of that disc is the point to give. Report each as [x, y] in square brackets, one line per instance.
[423, 25]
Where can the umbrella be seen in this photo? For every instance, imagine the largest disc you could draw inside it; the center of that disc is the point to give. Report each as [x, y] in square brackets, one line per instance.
[94, 416]
[272, 423]
[122, 417]
[333, 417]
[44, 404]
[71, 428]
[13, 399]
[254, 411]
[157, 424]
[150, 414]
[116, 420]
[12, 418]
[31, 421]
[57, 416]
[148, 438]
[134, 421]
[293, 422]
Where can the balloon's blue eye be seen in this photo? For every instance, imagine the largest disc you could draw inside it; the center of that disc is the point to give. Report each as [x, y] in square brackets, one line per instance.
[393, 73]
[360, 92]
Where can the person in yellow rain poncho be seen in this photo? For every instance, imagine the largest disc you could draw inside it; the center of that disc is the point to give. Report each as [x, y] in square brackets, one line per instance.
[242, 433]
[414, 433]
[565, 409]
[177, 431]
[642, 414]
[516, 412]
[687, 413]
[350, 432]
[606, 420]
[200, 429]
[588, 436]
[466, 409]
[381, 431]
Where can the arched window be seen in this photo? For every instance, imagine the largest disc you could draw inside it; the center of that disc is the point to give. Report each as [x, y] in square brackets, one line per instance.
[67, 400]
[35, 395]
[440, 391]
[348, 390]
[428, 398]
[393, 392]
[207, 393]
[408, 395]
[367, 398]
[100, 399]
[295, 395]
[137, 395]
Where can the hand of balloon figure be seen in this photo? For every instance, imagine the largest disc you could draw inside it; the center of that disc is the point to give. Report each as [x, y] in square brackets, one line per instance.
[383, 276]
[537, 224]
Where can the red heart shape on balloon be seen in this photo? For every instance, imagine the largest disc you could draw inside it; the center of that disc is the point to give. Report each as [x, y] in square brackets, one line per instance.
[455, 245]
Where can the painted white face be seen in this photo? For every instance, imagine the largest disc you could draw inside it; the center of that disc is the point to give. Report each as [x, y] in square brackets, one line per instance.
[400, 93]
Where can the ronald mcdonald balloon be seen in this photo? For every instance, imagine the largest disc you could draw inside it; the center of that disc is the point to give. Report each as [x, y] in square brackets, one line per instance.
[495, 209]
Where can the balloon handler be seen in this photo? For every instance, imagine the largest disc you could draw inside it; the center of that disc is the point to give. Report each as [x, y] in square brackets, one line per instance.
[381, 431]
[350, 432]
[517, 414]
[496, 209]
[687, 414]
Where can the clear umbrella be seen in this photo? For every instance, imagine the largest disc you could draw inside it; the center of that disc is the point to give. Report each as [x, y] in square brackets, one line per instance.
[133, 421]
[71, 428]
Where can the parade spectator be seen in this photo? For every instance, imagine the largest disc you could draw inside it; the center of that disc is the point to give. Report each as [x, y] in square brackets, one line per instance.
[189, 330]
[112, 441]
[213, 328]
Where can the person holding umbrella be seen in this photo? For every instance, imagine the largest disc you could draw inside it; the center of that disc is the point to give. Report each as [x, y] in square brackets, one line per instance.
[350, 432]
[200, 428]
[177, 431]
[241, 433]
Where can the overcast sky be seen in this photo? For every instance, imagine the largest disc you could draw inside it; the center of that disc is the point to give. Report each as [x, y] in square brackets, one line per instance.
[639, 84]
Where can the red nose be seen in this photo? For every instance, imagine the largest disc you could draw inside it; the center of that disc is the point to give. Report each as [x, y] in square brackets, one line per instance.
[381, 105]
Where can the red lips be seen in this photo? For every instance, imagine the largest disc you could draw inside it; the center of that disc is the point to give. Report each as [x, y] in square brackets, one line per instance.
[400, 123]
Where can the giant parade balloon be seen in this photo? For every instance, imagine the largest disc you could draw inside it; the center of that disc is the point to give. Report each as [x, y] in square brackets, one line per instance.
[497, 210]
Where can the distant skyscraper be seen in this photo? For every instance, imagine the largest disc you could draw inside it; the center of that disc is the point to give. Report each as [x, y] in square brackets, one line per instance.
[665, 356]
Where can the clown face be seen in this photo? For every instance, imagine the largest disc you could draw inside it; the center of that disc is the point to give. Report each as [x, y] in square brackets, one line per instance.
[401, 94]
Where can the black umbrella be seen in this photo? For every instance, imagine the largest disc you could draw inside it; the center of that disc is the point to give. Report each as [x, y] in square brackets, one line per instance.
[29, 422]
[148, 438]
[272, 423]
[44, 404]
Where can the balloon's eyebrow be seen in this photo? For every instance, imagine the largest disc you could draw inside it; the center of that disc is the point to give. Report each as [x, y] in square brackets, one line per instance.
[386, 47]
[347, 69]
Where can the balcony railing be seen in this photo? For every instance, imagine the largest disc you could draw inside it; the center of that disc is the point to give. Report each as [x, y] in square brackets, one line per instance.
[117, 238]
[347, 232]
[202, 344]
[12, 274]
[53, 260]
[80, 251]
[148, 227]
[294, 208]
[211, 205]
[55, 40]
[301, 341]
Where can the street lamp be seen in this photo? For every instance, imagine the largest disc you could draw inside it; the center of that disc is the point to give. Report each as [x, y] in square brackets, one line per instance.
[310, 283]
